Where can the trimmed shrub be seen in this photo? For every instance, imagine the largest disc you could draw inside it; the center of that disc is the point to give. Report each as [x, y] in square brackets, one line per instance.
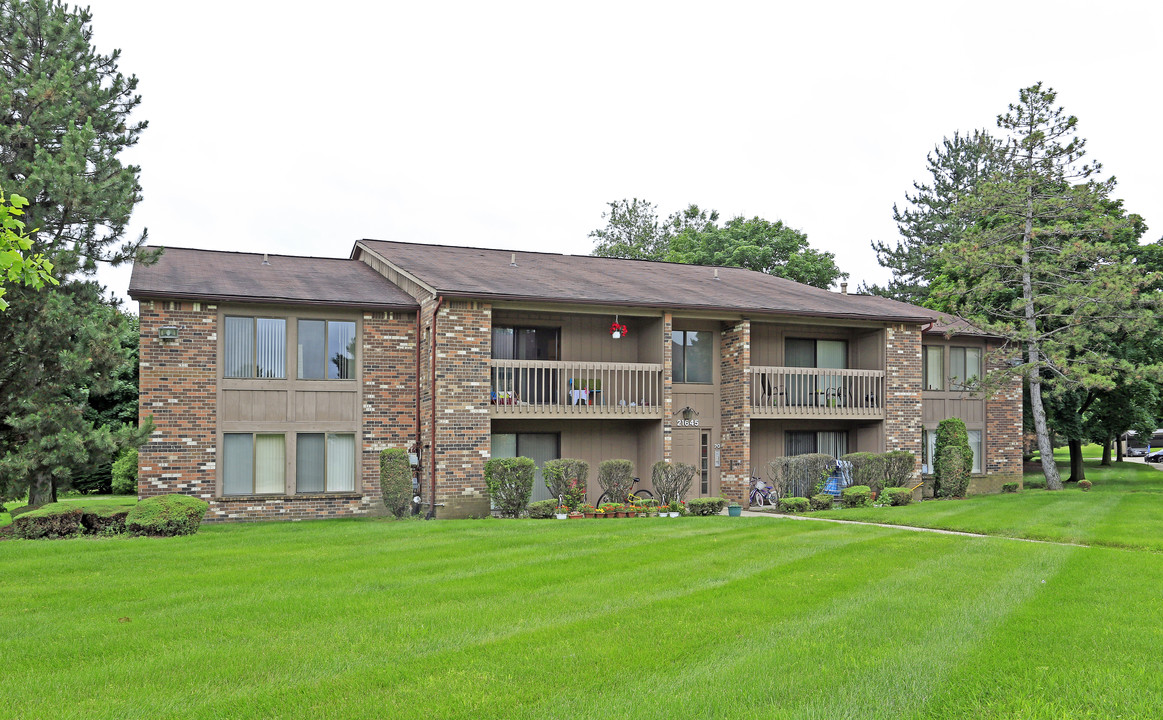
[566, 478]
[952, 475]
[900, 467]
[794, 504]
[542, 509]
[104, 521]
[800, 475]
[1010, 487]
[706, 506]
[1085, 485]
[1038, 483]
[510, 483]
[125, 472]
[55, 520]
[396, 481]
[856, 496]
[616, 477]
[897, 496]
[952, 478]
[166, 515]
[867, 469]
[672, 481]
[822, 502]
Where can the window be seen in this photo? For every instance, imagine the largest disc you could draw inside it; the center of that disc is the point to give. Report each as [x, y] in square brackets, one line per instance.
[540, 447]
[705, 463]
[964, 367]
[525, 343]
[255, 348]
[828, 442]
[934, 368]
[324, 462]
[814, 389]
[929, 450]
[326, 350]
[975, 446]
[693, 355]
[253, 464]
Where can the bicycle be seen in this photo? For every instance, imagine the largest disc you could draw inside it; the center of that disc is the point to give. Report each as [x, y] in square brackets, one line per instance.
[631, 496]
[761, 493]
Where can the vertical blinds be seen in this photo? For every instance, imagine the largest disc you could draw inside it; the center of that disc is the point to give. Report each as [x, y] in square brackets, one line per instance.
[237, 464]
[269, 464]
[255, 348]
[310, 458]
[934, 368]
[340, 462]
[238, 343]
[271, 355]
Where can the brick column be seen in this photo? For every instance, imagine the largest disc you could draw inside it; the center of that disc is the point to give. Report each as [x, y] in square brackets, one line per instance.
[667, 389]
[902, 422]
[178, 388]
[462, 425]
[735, 411]
[1003, 426]
[389, 390]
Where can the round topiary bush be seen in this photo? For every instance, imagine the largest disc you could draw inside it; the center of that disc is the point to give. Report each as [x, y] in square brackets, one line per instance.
[166, 515]
[510, 483]
[856, 496]
[822, 501]
[897, 496]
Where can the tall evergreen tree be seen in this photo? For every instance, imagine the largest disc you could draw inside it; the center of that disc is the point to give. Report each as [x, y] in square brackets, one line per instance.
[1039, 265]
[64, 121]
[929, 220]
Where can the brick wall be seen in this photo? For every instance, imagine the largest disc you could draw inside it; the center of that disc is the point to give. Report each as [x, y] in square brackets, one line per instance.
[902, 424]
[462, 439]
[1003, 430]
[389, 389]
[735, 411]
[178, 388]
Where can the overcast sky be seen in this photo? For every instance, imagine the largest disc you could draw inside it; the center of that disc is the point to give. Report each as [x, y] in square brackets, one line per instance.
[299, 128]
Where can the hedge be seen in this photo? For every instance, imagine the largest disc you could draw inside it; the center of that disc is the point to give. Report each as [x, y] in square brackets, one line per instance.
[616, 478]
[566, 478]
[1010, 487]
[510, 483]
[396, 481]
[55, 520]
[125, 473]
[898, 495]
[856, 496]
[953, 459]
[166, 515]
[672, 481]
[542, 509]
[706, 506]
[794, 504]
[822, 502]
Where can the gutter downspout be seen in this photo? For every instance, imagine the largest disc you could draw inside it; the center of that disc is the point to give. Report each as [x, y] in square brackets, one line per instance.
[432, 446]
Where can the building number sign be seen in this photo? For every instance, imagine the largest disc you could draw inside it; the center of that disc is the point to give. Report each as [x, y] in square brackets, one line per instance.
[694, 422]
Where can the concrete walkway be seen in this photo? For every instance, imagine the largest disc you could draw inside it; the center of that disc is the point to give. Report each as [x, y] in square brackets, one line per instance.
[914, 528]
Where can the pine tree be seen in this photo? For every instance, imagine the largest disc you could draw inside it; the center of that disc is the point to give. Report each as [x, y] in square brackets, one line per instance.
[64, 121]
[1041, 263]
[929, 220]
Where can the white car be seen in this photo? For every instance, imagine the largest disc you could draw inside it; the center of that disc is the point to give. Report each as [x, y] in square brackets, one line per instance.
[1137, 452]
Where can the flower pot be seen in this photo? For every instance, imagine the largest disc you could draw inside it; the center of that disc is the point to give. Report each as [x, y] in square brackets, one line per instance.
[560, 516]
[673, 514]
[620, 514]
[735, 510]
[589, 515]
[576, 516]
[617, 334]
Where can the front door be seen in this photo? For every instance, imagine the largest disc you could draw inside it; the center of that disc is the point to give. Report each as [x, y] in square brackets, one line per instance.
[693, 446]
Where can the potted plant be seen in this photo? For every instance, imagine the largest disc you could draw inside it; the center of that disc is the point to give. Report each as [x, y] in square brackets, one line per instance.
[675, 508]
[609, 509]
[562, 512]
[734, 509]
[575, 515]
[589, 510]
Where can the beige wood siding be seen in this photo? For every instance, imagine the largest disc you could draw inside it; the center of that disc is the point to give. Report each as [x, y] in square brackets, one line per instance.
[865, 345]
[586, 338]
[768, 438]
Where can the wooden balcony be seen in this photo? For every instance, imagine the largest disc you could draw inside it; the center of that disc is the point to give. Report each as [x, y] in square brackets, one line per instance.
[564, 389]
[795, 392]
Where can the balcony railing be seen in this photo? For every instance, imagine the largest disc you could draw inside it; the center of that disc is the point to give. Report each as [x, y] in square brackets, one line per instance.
[816, 392]
[540, 388]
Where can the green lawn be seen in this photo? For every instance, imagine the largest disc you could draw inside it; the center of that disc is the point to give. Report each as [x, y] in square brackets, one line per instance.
[640, 618]
[1123, 509]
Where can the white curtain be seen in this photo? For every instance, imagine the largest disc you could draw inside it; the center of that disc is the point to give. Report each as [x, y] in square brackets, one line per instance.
[269, 464]
[540, 448]
[340, 463]
[238, 346]
[272, 348]
[934, 368]
[237, 464]
[832, 443]
[975, 446]
[310, 457]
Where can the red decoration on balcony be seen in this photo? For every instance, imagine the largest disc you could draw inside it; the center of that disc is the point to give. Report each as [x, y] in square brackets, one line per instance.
[617, 330]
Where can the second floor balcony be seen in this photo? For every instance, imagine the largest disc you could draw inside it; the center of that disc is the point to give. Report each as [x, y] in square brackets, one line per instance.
[553, 388]
[799, 392]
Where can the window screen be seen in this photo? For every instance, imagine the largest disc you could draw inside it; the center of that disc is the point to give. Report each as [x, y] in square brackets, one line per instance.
[934, 368]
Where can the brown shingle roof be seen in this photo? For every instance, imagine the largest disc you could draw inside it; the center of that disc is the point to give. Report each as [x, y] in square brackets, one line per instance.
[547, 277]
[242, 277]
